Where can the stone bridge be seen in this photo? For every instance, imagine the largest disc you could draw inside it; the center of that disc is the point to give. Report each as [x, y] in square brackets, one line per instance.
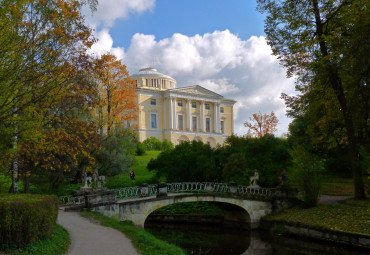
[242, 205]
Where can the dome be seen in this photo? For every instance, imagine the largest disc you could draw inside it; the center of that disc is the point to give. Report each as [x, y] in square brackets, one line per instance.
[150, 72]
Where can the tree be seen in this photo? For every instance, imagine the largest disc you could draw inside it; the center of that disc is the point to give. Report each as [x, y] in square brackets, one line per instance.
[268, 155]
[117, 153]
[325, 44]
[118, 93]
[193, 161]
[261, 125]
[43, 48]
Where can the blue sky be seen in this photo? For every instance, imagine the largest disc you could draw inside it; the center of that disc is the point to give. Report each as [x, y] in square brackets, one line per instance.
[190, 17]
[217, 44]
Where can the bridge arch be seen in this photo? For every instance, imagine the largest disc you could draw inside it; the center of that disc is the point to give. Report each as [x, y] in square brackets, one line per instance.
[234, 215]
[138, 211]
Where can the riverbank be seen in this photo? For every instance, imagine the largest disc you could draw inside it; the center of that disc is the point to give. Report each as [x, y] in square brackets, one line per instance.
[346, 222]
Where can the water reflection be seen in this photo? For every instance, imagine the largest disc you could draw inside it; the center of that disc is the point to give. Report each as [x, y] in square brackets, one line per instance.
[213, 240]
[208, 240]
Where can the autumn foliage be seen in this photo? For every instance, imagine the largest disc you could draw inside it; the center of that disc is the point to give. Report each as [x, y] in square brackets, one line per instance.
[117, 92]
[261, 125]
[52, 91]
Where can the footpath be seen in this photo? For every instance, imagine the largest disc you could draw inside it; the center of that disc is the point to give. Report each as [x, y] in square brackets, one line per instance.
[88, 238]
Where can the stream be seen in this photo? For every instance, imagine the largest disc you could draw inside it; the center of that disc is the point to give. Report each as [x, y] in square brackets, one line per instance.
[198, 239]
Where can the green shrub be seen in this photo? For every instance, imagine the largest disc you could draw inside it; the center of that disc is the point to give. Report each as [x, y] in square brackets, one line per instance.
[268, 155]
[25, 217]
[153, 144]
[140, 149]
[167, 145]
[306, 171]
[117, 154]
[189, 161]
[5, 183]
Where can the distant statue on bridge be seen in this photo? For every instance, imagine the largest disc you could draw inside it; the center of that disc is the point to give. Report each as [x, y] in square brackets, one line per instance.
[254, 179]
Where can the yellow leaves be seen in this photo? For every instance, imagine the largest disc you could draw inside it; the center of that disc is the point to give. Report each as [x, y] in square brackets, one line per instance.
[117, 91]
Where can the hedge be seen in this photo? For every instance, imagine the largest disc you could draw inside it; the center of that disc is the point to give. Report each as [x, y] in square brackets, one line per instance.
[25, 217]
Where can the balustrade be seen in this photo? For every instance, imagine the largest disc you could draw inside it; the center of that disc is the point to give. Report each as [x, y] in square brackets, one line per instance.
[163, 189]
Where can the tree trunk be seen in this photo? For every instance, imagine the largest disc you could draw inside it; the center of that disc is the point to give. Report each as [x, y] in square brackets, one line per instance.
[337, 86]
[108, 112]
[26, 184]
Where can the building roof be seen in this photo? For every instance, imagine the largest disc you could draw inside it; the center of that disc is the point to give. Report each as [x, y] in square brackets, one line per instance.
[150, 72]
[196, 89]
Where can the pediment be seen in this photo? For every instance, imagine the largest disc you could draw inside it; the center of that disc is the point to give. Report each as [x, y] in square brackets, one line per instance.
[197, 90]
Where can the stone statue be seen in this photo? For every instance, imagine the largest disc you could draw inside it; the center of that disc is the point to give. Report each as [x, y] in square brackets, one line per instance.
[84, 179]
[88, 182]
[101, 181]
[282, 178]
[95, 177]
[254, 179]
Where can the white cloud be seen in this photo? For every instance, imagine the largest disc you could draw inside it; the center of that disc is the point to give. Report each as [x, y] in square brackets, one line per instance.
[222, 62]
[105, 45]
[108, 11]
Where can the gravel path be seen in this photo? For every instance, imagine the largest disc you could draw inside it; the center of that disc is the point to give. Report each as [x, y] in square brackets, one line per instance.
[88, 238]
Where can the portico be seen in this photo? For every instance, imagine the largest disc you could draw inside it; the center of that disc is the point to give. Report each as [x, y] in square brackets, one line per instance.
[181, 114]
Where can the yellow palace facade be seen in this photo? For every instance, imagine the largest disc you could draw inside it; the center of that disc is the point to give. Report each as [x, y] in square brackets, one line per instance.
[180, 114]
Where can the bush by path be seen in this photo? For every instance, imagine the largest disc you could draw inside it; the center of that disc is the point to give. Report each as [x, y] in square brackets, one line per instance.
[25, 217]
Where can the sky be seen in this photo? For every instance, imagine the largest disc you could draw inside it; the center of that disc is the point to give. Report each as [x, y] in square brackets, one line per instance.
[217, 44]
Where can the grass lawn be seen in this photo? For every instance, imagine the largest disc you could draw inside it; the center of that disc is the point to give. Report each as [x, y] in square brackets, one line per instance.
[352, 216]
[339, 186]
[143, 175]
[57, 243]
[144, 242]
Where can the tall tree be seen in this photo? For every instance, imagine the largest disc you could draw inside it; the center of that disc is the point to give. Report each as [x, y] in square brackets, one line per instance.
[42, 42]
[261, 125]
[325, 44]
[117, 93]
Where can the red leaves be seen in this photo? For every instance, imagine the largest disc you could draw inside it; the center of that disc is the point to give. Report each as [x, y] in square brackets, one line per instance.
[261, 125]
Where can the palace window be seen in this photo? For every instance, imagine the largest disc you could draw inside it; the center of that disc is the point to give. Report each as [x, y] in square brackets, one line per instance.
[221, 110]
[153, 120]
[179, 103]
[180, 122]
[208, 124]
[222, 126]
[194, 104]
[153, 101]
[208, 107]
[194, 123]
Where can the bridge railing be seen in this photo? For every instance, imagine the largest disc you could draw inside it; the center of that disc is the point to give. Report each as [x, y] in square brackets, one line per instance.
[163, 189]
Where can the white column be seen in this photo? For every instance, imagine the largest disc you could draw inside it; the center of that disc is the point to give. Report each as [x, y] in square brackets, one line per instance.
[174, 114]
[215, 117]
[189, 115]
[218, 118]
[170, 112]
[202, 117]
[164, 114]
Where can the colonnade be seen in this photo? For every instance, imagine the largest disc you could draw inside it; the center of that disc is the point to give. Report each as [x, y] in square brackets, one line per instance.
[187, 119]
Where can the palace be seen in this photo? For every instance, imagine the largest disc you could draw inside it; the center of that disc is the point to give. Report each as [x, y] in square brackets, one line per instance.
[180, 114]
